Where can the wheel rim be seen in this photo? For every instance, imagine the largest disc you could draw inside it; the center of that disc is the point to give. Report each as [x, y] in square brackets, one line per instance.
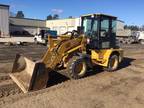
[114, 63]
[80, 68]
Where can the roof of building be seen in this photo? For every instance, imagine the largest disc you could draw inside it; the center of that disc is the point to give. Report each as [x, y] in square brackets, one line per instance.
[62, 19]
[97, 14]
[28, 19]
[4, 5]
[27, 22]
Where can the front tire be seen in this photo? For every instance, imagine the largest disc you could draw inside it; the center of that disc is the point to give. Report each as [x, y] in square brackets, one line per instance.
[76, 67]
[113, 63]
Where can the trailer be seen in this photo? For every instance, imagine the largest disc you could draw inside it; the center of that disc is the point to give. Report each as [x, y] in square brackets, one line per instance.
[126, 36]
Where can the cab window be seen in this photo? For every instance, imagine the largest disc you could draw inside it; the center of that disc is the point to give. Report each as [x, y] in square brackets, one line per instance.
[104, 27]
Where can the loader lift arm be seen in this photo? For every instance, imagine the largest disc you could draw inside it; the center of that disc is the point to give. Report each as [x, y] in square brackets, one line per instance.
[31, 75]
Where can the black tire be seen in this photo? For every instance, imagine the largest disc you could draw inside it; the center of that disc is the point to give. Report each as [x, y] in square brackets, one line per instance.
[35, 41]
[113, 63]
[76, 67]
[46, 42]
[129, 41]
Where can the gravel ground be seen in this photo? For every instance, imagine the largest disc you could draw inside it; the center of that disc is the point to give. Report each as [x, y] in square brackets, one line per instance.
[121, 89]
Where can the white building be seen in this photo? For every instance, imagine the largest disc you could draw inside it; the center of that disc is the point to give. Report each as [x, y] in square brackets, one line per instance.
[4, 20]
[64, 25]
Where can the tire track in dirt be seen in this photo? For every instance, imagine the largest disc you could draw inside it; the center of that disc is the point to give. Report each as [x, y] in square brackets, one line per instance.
[13, 97]
[66, 84]
[8, 87]
[4, 78]
[69, 83]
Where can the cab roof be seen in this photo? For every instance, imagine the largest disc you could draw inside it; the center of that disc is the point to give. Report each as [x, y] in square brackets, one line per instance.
[98, 14]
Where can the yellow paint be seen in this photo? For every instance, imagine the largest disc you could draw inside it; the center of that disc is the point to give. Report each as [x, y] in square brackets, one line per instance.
[101, 57]
[74, 49]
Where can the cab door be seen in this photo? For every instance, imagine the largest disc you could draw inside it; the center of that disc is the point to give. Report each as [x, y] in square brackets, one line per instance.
[106, 33]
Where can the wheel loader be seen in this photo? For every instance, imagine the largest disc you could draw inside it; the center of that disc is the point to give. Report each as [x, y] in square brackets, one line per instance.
[93, 44]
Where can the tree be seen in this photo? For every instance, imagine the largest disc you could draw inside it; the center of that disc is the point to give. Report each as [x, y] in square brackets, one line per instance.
[20, 14]
[55, 16]
[142, 27]
[49, 17]
[70, 17]
[132, 27]
[125, 27]
[12, 14]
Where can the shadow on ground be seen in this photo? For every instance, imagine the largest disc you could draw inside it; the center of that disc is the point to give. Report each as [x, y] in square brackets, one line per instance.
[126, 62]
[56, 78]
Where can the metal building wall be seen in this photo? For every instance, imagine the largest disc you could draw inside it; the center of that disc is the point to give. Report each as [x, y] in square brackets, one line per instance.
[19, 30]
[4, 20]
[31, 26]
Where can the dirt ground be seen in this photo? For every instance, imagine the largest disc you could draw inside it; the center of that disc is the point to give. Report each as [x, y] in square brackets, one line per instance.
[120, 89]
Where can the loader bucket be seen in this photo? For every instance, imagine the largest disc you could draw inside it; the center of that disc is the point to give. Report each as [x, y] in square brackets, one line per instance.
[29, 75]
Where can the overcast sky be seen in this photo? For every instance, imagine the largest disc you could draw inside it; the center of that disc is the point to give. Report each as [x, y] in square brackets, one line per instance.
[130, 11]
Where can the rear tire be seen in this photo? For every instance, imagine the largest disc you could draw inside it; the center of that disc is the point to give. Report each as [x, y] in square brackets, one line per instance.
[76, 67]
[113, 63]
[35, 41]
[46, 42]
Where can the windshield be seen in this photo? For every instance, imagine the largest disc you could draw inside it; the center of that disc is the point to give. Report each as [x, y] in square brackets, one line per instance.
[87, 26]
[90, 27]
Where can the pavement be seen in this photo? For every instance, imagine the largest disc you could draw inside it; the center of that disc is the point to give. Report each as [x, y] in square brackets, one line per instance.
[17, 39]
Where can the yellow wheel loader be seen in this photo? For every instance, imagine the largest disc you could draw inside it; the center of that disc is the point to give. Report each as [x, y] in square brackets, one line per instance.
[93, 44]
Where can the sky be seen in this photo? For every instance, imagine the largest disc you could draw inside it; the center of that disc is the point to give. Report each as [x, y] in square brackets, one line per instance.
[129, 11]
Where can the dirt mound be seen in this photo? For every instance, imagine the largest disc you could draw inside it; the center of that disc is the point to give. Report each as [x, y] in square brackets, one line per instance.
[104, 90]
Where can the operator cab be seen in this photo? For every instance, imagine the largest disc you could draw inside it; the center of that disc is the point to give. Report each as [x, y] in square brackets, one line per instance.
[100, 29]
